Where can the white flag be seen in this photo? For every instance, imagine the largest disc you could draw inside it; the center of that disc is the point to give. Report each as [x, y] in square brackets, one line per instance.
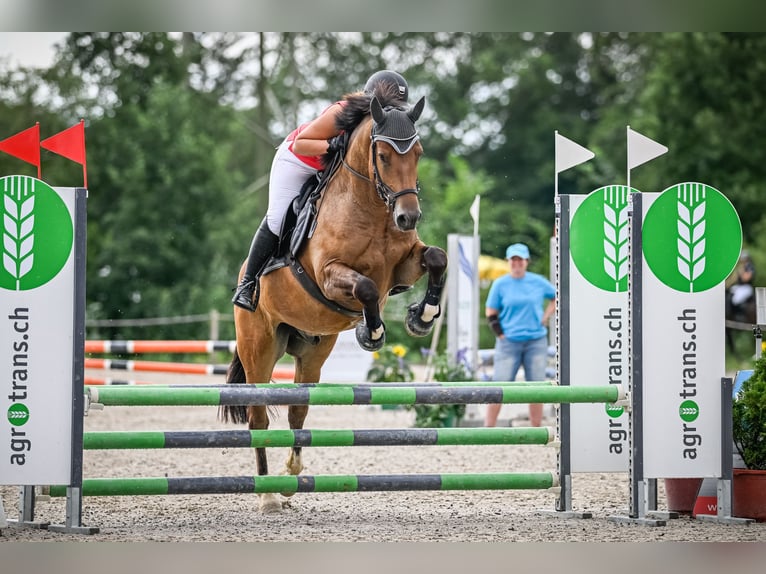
[474, 210]
[641, 149]
[570, 154]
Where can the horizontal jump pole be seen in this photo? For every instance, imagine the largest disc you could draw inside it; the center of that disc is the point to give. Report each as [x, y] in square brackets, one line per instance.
[317, 483]
[348, 395]
[139, 347]
[336, 384]
[103, 440]
[169, 367]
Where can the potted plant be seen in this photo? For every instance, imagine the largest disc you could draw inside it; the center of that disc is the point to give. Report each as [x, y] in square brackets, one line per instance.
[390, 366]
[439, 416]
[749, 431]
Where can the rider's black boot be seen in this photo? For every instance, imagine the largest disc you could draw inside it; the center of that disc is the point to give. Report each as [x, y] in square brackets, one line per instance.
[263, 246]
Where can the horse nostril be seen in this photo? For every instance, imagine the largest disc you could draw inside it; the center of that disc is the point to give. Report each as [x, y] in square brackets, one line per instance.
[407, 221]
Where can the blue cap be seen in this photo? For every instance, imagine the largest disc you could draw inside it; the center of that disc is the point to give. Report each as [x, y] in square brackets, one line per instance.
[517, 250]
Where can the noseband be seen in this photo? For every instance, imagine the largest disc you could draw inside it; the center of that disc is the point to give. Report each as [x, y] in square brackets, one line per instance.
[401, 145]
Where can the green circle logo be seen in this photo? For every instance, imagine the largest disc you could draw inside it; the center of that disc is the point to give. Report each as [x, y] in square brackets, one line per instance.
[614, 411]
[37, 233]
[599, 238]
[688, 411]
[691, 237]
[18, 414]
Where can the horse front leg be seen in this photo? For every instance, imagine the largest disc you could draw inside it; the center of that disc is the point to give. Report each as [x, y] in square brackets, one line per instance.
[420, 316]
[342, 283]
[371, 332]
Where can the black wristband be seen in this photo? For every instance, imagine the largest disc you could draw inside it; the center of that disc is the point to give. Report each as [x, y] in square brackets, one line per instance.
[494, 324]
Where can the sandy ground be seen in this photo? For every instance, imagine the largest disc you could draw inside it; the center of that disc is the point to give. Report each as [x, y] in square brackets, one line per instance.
[457, 516]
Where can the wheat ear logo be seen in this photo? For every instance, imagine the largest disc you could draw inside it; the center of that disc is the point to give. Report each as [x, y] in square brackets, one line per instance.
[704, 228]
[37, 233]
[18, 231]
[691, 233]
[599, 238]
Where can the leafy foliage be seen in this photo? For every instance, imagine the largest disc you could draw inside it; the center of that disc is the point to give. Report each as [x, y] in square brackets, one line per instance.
[749, 418]
[389, 366]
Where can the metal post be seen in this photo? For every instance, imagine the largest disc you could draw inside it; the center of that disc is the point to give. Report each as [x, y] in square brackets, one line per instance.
[760, 319]
[73, 523]
[724, 486]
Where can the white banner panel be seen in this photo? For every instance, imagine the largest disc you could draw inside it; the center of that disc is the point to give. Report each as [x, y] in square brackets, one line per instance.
[598, 329]
[691, 239]
[36, 332]
[462, 298]
[348, 362]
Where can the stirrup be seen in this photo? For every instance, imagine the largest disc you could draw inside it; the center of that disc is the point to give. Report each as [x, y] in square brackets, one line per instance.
[243, 296]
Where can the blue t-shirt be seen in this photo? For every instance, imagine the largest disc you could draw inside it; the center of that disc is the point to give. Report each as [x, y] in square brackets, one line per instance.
[520, 305]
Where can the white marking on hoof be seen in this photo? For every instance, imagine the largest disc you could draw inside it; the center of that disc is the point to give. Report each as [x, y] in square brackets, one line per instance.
[429, 312]
[270, 503]
[293, 467]
[377, 333]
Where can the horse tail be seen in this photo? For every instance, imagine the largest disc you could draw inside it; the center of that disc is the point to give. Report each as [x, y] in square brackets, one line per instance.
[235, 375]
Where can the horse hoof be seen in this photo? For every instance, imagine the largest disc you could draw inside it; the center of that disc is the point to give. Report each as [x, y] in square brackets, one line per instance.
[270, 504]
[365, 341]
[414, 325]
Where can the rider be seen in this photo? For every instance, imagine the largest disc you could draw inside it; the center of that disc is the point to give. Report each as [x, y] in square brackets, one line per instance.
[296, 159]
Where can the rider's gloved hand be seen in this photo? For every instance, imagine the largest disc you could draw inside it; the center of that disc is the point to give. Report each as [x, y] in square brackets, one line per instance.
[335, 144]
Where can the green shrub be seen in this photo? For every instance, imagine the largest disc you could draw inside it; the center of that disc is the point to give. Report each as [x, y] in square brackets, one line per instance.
[749, 418]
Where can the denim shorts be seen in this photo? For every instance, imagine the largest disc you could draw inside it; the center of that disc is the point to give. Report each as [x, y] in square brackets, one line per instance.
[510, 355]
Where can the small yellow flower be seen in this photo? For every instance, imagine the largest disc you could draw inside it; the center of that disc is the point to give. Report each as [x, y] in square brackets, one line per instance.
[399, 350]
[375, 355]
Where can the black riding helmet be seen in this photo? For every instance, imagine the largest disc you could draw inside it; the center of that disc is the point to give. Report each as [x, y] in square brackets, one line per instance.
[388, 77]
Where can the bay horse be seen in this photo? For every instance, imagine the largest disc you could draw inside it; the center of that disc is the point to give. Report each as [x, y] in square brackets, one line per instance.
[364, 247]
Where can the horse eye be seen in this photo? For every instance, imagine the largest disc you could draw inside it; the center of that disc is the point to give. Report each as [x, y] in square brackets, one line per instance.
[382, 157]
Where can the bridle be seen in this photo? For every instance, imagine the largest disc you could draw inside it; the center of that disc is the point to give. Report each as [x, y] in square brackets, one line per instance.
[401, 145]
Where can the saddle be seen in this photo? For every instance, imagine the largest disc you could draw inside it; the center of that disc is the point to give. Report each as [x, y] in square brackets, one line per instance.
[298, 227]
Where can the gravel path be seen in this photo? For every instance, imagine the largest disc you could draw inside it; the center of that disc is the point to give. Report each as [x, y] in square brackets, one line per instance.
[491, 516]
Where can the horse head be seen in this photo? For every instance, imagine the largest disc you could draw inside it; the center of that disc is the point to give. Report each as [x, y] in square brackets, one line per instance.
[396, 150]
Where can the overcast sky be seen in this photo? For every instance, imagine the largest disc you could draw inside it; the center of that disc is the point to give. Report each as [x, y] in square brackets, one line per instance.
[29, 48]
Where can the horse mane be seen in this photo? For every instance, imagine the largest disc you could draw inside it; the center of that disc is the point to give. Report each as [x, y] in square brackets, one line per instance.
[357, 109]
[357, 106]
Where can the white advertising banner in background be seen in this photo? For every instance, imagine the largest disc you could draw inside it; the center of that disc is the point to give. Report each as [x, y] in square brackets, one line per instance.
[348, 362]
[691, 240]
[37, 278]
[462, 297]
[598, 324]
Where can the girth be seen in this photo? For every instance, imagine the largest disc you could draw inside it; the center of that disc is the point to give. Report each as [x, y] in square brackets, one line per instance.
[313, 289]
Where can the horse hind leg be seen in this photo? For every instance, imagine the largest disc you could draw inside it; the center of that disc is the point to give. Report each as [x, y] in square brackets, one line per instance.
[258, 419]
[309, 359]
[296, 414]
[421, 316]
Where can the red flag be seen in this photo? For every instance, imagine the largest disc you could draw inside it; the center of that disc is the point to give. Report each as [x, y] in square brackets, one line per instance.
[70, 143]
[25, 145]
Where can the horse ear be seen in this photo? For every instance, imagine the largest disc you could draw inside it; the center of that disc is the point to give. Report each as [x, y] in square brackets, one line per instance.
[417, 109]
[377, 111]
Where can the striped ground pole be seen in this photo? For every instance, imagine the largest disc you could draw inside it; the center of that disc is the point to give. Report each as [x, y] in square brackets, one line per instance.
[169, 367]
[317, 483]
[147, 347]
[156, 366]
[101, 440]
[348, 395]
